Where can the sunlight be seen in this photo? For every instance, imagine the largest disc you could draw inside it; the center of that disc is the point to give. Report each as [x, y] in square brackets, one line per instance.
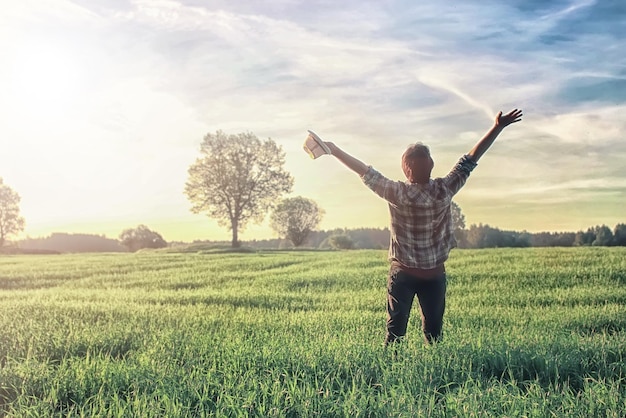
[46, 81]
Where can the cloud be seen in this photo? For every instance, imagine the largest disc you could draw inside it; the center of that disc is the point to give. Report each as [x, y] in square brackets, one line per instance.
[556, 16]
[443, 85]
[15, 13]
[372, 76]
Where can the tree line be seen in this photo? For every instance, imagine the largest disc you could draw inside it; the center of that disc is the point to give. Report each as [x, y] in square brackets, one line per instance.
[476, 236]
[485, 236]
[239, 179]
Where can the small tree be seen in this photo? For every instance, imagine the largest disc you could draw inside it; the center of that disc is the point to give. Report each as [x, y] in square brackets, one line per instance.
[295, 218]
[341, 242]
[11, 222]
[238, 178]
[141, 237]
[458, 223]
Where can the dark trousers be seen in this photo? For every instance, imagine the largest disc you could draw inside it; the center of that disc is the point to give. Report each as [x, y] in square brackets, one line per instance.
[431, 294]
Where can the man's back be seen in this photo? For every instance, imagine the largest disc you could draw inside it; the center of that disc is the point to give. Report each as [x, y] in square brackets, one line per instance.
[421, 223]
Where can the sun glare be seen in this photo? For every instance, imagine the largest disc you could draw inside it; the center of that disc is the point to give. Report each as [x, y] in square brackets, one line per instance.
[46, 81]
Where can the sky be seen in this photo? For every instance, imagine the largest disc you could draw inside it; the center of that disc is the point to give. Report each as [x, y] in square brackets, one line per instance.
[104, 104]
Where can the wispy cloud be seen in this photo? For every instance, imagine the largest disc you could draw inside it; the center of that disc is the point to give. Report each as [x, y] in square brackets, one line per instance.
[373, 76]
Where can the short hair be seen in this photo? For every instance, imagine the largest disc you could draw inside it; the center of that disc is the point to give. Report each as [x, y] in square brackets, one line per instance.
[415, 151]
[416, 162]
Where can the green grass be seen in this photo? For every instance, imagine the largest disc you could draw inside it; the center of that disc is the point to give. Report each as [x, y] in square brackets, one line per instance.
[528, 332]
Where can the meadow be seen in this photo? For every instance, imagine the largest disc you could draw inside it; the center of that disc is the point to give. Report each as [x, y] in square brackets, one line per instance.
[528, 333]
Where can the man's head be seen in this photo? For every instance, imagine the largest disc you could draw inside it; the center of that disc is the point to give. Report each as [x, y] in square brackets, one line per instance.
[417, 163]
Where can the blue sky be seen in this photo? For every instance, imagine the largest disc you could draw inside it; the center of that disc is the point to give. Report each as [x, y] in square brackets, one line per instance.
[105, 104]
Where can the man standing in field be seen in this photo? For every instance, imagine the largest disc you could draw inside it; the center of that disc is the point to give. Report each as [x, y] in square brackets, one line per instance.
[421, 227]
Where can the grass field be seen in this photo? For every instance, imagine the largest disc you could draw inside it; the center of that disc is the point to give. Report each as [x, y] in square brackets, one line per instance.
[528, 333]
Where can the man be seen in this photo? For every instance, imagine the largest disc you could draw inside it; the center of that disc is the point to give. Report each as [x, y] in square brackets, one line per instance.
[421, 228]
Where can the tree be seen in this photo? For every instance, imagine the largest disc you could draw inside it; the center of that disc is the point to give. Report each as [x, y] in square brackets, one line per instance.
[238, 178]
[484, 236]
[553, 239]
[11, 222]
[295, 218]
[619, 235]
[458, 223]
[72, 243]
[476, 235]
[141, 237]
[604, 236]
[585, 238]
[370, 237]
[341, 242]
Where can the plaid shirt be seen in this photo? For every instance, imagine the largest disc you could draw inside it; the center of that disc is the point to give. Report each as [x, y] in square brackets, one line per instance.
[421, 222]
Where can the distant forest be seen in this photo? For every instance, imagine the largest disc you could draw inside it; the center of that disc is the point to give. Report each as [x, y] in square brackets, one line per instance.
[476, 236]
[71, 243]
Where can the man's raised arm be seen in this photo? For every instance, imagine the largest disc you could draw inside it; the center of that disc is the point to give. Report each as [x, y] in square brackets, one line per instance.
[502, 121]
[352, 163]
